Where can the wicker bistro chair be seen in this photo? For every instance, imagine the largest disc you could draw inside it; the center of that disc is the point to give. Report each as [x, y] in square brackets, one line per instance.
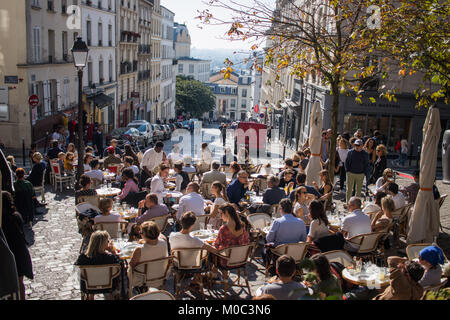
[441, 202]
[99, 278]
[113, 228]
[154, 295]
[296, 250]
[257, 222]
[41, 188]
[205, 190]
[94, 200]
[187, 261]
[152, 273]
[275, 208]
[436, 287]
[367, 245]
[413, 250]
[236, 259]
[401, 220]
[339, 256]
[161, 222]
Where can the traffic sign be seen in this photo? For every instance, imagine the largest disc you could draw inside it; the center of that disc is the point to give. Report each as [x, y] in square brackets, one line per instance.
[261, 115]
[33, 100]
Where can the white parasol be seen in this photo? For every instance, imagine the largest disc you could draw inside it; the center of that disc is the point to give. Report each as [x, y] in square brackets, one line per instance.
[315, 141]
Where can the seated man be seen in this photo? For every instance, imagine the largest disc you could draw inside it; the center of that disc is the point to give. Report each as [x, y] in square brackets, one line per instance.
[355, 223]
[288, 165]
[273, 193]
[214, 174]
[150, 208]
[114, 144]
[285, 288]
[228, 157]
[192, 201]
[111, 158]
[188, 168]
[238, 187]
[413, 189]
[301, 179]
[288, 228]
[53, 152]
[404, 276]
[95, 173]
[398, 197]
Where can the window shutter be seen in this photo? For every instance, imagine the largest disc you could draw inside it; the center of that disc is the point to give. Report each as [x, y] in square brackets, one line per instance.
[58, 94]
[46, 86]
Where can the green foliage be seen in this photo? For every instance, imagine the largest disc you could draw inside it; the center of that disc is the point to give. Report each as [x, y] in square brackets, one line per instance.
[441, 294]
[193, 96]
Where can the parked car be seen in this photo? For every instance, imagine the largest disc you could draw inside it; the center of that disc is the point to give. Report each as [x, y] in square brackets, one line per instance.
[172, 127]
[164, 131]
[168, 130]
[145, 129]
[133, 135]
[117, 134]
[157, 132]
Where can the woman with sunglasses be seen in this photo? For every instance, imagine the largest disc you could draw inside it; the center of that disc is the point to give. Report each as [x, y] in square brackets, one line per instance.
[302, 197]
[380, 163]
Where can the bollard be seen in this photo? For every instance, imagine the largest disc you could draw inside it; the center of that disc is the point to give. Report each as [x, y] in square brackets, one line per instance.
[23, 151]
[446, 157]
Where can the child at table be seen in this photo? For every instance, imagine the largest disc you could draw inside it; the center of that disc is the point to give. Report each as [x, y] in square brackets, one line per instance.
[430, 258]
[68, 163]
[105, 207]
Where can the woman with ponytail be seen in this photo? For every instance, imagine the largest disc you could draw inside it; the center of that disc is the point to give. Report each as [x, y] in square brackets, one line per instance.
[218, 190]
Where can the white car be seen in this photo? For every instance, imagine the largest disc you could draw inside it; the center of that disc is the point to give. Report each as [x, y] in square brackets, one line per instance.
[145, 129]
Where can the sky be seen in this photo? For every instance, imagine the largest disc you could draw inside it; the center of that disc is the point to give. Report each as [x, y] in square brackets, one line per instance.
[208, 37]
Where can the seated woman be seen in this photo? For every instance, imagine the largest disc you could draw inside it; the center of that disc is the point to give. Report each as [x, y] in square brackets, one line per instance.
[232, 233]
[374, 207]
[61, 157]
[71, 148]
[383, 182]
[326, 189]
[86, 184]
[37, 171]
[234, 169]
[88, 157]
[302, 197]
[218, 191]
[131, 183]
[384, 217]
[319, 222]
[99, 251]
[181, 177]
[328, 284]
[431, 258]
[68, 163]
[155, 247]
[105, 207]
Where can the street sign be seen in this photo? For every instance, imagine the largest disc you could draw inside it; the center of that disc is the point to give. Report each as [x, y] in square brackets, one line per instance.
[12, 79]
[261, 115]
[33, 100]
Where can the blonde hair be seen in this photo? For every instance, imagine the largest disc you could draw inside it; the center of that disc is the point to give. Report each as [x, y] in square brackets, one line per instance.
[97, 243]
[387, 171]
[388, 203]
[10, 159]
[37, 156]
[382, 148]
[150, 230]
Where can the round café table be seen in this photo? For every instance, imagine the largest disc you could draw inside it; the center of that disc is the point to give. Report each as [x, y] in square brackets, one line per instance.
[108, 192]
[370, 278]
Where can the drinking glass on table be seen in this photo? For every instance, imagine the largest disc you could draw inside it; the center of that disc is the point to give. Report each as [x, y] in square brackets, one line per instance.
[209, 227]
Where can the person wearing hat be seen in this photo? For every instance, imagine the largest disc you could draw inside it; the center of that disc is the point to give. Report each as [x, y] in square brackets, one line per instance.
[114, 143]
[431, 258]
[355, 166]
[111, 158]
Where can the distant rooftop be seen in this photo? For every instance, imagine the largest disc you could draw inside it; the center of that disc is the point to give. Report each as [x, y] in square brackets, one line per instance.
[192, 59]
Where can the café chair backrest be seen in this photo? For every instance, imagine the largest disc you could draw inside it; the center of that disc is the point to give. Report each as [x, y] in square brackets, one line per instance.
[339, 256]
[275, 208]
[112, 228]
[154, 295]
[152, 272]
[367, 242]
[205, 190]
[436, 287]
[295, 250]
[94, 200]
[413, 250]
[161, 222]
[201, 222]
[84, 206]
[259, 220]
[189, 258]
[113, 169]
[442, 199]
[55, 168]
[237, 256]
[402, 212]
[99, 277]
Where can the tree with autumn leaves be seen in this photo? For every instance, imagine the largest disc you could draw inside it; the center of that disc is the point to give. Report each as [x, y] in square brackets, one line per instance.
[346, 43]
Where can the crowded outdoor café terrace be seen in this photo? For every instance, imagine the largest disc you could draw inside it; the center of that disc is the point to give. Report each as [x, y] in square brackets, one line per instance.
[150, 219]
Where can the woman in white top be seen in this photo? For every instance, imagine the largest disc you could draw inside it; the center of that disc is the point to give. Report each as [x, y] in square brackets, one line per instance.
[319, 224]
[175, 155]
[155, 247]
[105, 207]
[342, 153]
[206, 158]
[157, 185]
[88, 157]
[302, 197]
[383, 182]
[384, 217]
[218, 190]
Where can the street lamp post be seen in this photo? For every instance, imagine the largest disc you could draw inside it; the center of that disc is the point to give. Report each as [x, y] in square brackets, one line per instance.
[80, 54]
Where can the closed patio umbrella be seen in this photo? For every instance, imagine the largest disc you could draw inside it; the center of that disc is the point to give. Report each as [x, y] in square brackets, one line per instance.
[424, 222]
[315, 141]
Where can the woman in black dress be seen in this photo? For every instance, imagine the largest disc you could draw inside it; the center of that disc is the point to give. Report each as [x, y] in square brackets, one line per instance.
[380, 164]
[12, 225]
[37, 171]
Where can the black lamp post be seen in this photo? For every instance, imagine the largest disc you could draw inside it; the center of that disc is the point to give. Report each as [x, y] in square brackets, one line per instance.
[80, 54]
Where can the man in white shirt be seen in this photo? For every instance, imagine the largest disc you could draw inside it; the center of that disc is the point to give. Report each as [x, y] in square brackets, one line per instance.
[95, 173]
[157, 185]
[357, 222]
[153, 158]
[398, 197]
[192, 201]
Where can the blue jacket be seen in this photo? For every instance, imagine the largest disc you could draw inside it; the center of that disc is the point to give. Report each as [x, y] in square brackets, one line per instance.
[236, 191]
[357, 162]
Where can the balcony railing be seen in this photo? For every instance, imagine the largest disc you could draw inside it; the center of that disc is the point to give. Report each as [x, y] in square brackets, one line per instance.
[143, 75]
[144, 49]
[129, 36]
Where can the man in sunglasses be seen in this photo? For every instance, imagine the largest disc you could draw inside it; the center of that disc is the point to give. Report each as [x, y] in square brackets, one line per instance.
[355, 166]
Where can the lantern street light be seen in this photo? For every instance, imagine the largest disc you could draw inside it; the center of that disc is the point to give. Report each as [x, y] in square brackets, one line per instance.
[80, 53]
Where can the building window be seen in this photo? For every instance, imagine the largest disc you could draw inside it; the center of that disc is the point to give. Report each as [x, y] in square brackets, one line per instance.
[191, 68]
[110, 35]
[244, 93]
[180, 68]
[100, 72]
[64, 46]
[110, 70]
[88, 32]
[100, 35]
[90, 73]
[37, 44]
[35, 3]
[244, 103]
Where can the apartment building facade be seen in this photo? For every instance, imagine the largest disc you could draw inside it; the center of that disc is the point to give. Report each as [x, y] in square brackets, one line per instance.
[155, 87]
[98, 30]
[181, 41]
[167, 66]
[35, 59]
[127, 62]
[199, 69]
